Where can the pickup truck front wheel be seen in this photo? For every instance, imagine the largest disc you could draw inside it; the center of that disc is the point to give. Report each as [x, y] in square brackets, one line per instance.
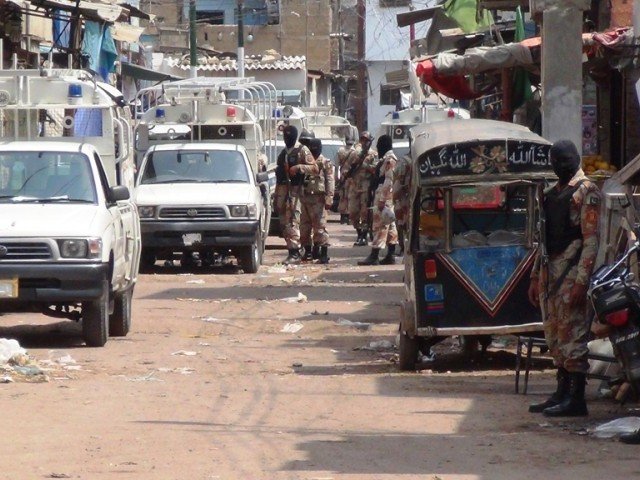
[120, 319]
[250, 258]
[95, 319]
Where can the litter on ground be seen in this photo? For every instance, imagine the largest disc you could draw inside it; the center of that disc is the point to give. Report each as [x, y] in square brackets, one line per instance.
[292, 327]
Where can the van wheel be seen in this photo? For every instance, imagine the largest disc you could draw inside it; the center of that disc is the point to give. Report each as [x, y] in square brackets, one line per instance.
[408, 352]
[95, 319]
[120, 319]
[249, 258]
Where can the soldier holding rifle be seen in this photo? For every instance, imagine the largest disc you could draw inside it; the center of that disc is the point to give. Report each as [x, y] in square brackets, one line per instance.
[294, 162]
[361, 166]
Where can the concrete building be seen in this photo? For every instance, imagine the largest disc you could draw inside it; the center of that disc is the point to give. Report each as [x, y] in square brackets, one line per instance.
[386, 54]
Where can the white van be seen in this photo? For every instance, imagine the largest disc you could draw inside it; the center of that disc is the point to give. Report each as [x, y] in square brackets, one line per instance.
[67, 239]
[69, 232]
[201, 198]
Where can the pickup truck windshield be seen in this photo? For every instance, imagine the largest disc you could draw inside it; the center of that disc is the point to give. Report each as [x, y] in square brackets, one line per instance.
[184, 166]
[46, 176]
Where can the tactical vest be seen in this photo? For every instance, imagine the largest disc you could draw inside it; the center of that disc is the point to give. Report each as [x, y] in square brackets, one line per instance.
[315, 183]
[560, 233]
[289, 159]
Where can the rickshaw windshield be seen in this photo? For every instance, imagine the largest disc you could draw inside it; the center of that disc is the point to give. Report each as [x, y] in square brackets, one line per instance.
[476, 215]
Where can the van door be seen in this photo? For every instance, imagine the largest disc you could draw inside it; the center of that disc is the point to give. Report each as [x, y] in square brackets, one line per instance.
[119, 247]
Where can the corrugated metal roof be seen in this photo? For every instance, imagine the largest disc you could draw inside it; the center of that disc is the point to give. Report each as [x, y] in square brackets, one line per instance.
[215, 64]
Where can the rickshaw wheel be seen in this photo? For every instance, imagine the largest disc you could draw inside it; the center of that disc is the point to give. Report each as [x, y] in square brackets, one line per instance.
[408, 352]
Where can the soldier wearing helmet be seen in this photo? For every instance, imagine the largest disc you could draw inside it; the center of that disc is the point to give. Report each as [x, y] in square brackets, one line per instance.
[384, 226]
[361, 165]
[345, 183]
[305, 137]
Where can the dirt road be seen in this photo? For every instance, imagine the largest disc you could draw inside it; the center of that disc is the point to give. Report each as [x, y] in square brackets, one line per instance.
[228, 376]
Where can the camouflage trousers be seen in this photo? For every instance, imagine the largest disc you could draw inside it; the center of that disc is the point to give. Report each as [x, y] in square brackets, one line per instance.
[288, 207]
[313, 219]
[358, 208]
[343, 205]
[383, 235]
[401, 210]
[566, 328]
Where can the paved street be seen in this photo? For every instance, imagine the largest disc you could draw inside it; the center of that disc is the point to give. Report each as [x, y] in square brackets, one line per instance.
[229, 376]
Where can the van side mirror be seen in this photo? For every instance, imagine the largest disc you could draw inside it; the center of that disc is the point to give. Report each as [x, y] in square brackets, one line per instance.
[118, 193]
[262, 177]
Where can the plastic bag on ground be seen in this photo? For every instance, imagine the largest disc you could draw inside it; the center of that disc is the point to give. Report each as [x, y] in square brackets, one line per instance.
[616, 427]
[9, 348]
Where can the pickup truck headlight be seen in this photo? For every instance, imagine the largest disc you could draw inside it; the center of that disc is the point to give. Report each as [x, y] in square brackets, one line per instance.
[80, 248]
[146, 212]
[243, 210]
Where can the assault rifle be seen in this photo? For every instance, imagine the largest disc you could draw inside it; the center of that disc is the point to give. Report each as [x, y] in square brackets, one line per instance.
[358, 163]
[544, 255]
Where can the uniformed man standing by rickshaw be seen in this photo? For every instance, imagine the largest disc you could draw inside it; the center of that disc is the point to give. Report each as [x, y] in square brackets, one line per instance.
[560, 277]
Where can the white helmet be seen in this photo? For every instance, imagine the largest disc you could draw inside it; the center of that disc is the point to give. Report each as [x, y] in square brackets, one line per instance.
[388, 216]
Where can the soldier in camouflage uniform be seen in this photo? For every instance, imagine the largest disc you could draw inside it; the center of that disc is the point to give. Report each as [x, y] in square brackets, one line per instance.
[401, 193]
[362, 166]
[294, 162]
[383, 234]
[316, 200]
[561, 275]
[343, 186]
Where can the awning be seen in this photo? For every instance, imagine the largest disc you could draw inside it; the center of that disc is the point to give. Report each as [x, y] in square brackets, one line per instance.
[90, 10]
[446, 72]
[124, 32]
[416, 16]
[142, 73]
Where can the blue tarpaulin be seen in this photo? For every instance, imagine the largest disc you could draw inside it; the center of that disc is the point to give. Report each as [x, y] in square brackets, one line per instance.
[99, 46]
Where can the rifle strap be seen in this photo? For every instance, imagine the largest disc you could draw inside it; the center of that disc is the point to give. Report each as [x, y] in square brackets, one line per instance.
[572, 263]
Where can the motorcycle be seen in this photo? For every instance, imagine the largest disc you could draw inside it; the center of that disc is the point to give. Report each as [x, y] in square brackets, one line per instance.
[614, 293]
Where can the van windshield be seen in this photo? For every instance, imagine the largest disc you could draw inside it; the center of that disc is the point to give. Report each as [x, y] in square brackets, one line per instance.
[46, 177]
[195, 166]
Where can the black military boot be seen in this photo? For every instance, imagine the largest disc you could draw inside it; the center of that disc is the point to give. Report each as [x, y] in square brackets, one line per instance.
[573, 404]
[308, 253]
[389, 258]
[362, 239]
[315, 253]
[631, 438]
[344, 219]
[324, 254]
[556, 397]
[372, 259]
[294, 257]
[357, 242]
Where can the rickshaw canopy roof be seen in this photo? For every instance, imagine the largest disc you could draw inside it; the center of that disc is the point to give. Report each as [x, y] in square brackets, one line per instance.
[478, 150]
[428, 136]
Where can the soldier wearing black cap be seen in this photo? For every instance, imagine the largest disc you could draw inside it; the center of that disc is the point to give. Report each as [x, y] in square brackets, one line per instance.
[561, 274]
[294, 162]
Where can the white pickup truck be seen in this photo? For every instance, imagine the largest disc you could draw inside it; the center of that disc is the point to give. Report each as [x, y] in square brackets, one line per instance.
[205, 198]
[69, 242]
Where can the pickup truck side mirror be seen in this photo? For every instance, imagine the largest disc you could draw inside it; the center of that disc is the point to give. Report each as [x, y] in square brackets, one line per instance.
[118, 193]
[262, 177]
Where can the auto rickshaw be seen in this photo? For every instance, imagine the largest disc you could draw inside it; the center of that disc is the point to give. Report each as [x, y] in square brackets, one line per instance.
[476, 194]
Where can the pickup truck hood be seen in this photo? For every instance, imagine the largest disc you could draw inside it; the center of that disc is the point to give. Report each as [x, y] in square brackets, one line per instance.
[195, 194]
[50, 220]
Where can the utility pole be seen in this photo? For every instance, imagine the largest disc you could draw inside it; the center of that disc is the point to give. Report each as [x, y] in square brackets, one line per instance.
[193, 54]
[361, 103]
[240, 61]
